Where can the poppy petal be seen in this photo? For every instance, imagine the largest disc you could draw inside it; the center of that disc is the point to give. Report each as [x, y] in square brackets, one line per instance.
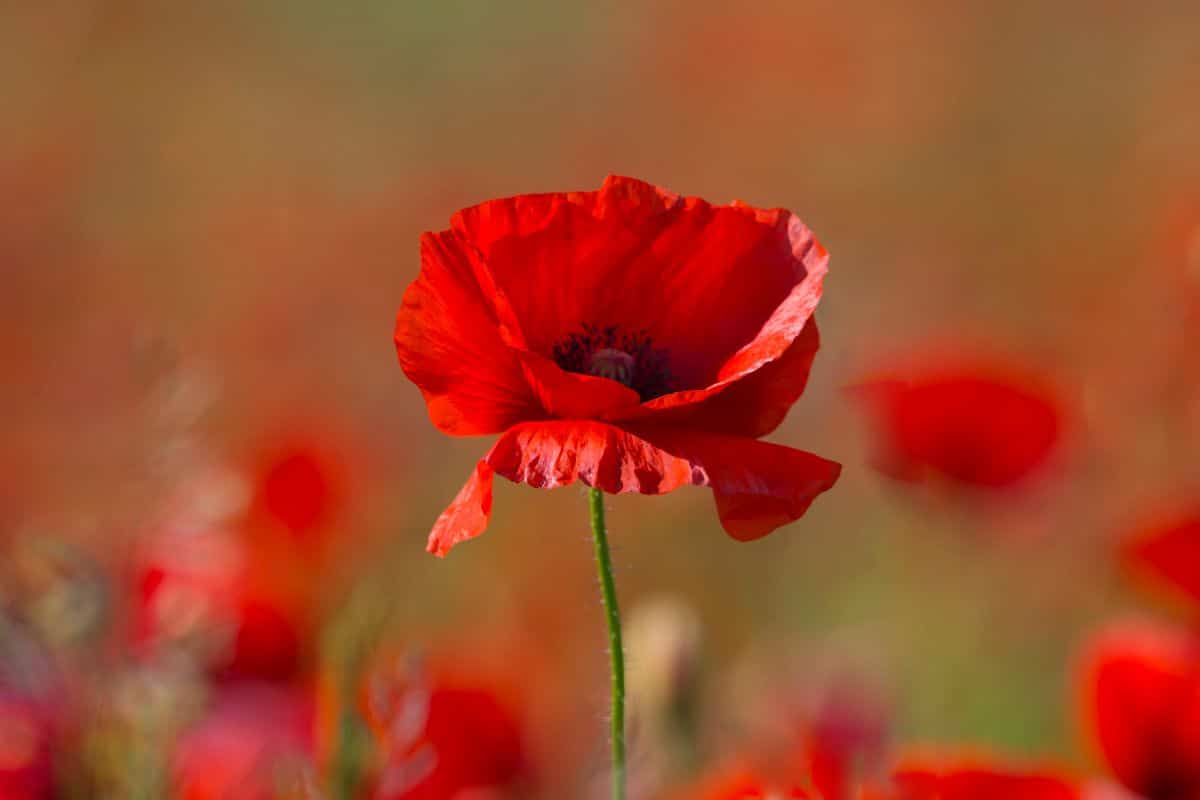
[570, 395]
[548, 455]
[757, 280]
[645, 260]
[1141, 689]
[452, 345]
[467, 516]
[562, 255]
[755, 405]
[758, 486]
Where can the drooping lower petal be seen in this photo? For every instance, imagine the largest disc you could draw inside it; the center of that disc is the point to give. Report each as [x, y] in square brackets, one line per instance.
[758, 486]
[548, 455]
[467, 516]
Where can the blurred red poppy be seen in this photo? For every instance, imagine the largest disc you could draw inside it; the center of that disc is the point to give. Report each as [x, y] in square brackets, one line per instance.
[744, 784]
[824, 723]
[255, 744]
[976, 781]
[743, 781]
[846, 738]
[26, 768]
[629, 338]
[205, 593]
[440, 739]
[980, 425]
[241, 588]
[1141, 701]
[301, 488]
[1168, 552]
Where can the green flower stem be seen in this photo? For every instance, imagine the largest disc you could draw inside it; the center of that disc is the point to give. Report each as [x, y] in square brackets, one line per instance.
[608, 589]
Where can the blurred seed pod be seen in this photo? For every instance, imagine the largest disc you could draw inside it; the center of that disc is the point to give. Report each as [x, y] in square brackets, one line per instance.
[666, 659]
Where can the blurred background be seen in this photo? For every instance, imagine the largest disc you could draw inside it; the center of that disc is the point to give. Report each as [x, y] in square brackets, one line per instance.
[216, 480]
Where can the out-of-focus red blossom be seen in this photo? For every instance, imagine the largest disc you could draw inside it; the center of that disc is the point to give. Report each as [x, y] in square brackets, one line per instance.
[846, 739]
[973, 781]
[26, 740]
[827, 723]
[1141, 704]
[1167, 552]
[982, 424]
[629, 338]
[203, 590]
[301, 487]
[441, 739]
[743, 782]
[748, 787]
[921, 780]
[256, 743]
[245, 588]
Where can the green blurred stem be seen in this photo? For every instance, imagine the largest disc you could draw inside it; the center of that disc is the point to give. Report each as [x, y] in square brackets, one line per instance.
[608, 590]
[348, 758]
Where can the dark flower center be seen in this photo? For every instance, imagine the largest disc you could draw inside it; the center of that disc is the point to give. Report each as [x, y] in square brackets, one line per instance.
[628, 358]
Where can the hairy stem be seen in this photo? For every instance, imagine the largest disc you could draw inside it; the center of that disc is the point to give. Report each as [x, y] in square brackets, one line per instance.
[608, 590]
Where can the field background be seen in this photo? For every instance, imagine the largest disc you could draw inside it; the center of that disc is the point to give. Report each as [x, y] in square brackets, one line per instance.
[209, 213]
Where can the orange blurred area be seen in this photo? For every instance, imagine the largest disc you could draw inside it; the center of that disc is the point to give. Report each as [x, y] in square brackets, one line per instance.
[216, 483]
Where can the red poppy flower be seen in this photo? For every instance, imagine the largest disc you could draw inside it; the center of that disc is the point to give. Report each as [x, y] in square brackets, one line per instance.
[977, 781]
[204, 592]
[440, 738]
[1141, 701]
[979, 425]
[745, 780]
[629, 338]
[825, 726]
[745, 785]
[26, 769]
[300, 488]
[1168, 552]
[255, 744]
[846, 738]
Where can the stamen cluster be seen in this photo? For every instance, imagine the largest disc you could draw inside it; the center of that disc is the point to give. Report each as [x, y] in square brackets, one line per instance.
[592, 351]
